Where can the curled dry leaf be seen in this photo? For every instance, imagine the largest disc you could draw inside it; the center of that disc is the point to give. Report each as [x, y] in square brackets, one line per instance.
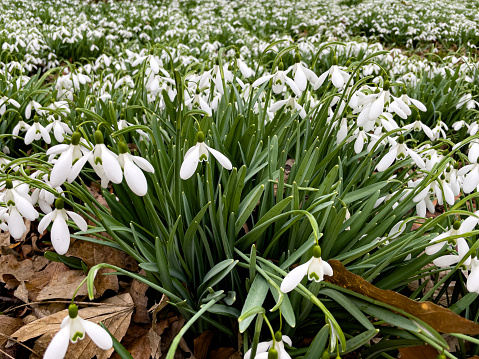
[138, 293]
[115, 313]
[441, 319]
[22, 270]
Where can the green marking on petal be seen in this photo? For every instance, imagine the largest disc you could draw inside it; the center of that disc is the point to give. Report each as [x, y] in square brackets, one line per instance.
[313, 275]
[77, 335]
[203, 157]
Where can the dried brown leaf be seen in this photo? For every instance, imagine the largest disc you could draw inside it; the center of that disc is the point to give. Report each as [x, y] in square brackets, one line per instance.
[63, 286]
[202, 344]
[21, 293]
[138, 293]
[441, 319]
[22, 270]
[42, 278]
[115, 315]
[418, 352]
[223, 353]
[8, 325]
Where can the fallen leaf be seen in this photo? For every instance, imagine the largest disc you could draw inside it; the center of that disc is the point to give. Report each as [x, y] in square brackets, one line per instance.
[4, 238]
[8, 325]
[115, 313]
[22, 270]
[138, 293]
[202, 344]
[21, 293]
[43, 277]
[136, 342]
[223, 353]
[418, 352]
[441, 319]
[63, 286]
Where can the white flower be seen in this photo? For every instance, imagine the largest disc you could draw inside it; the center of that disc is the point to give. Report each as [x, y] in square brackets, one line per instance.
[73, 328]
[473, 278]
[338, 77]
[199, 152]
[245, 70]
[398, 151]
[263, 347]
[60, 234]
[64, 169]
[289, 104]
[18, 204]
[132, 166]
[418, 126]
[315, 268]
[458, 228]
[59, 128]
[36, 132]
[36, 106]
[302, 74]
[280, 79]
[105, 162]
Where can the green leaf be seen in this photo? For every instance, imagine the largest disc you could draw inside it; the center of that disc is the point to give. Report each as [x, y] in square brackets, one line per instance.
[256, 296]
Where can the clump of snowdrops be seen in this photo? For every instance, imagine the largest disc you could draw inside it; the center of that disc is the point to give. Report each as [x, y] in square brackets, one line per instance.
[192, 161]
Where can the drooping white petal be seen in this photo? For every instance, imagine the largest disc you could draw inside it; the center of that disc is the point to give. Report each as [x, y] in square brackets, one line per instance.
[221, 158]
[294, 277]
[144, 164]
[62, 168]
[337, 78]
[320, 80]
[416, 158]
[420, 106]
[447, 260]
[111, 166]
[54, 150]
[79, 220]
[435, 245]
[99, 335]
[59, 345]
[25, 207]
[60, 235]
[135, 178]
[388, 159]
[473, 278]
[262, 347]
[190, 162]
[377, 107]
[46, 220]
[77, 167]
[16, 226]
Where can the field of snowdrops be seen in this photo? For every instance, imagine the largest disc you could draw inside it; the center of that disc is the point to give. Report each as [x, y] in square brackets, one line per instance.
[225, 179]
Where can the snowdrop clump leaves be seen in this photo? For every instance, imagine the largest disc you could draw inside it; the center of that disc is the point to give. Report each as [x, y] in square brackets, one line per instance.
[238, 156]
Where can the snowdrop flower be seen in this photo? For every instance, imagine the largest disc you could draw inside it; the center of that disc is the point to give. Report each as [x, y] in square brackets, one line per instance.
[105, 162]
[197, 100]
[73, 328]
[41, 197]
[440, 129]
[132, 166]
[64, 169]
[35, 105]
[473, 278]
[458, 228]
[60, 234]
[418, 126]
[280, 79]
[315, 268]
[302, 74]
[338, 77]
[36, 132]
[278, 345]
[20, 126]
[18, 205]
[198, 153]
[459, 124]
[361, 139]
[471, 179]
[289, 104]
[59, 128]
[398, 151]
[423, 200]
[467, 100]
[4, 101]
[245, 70]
